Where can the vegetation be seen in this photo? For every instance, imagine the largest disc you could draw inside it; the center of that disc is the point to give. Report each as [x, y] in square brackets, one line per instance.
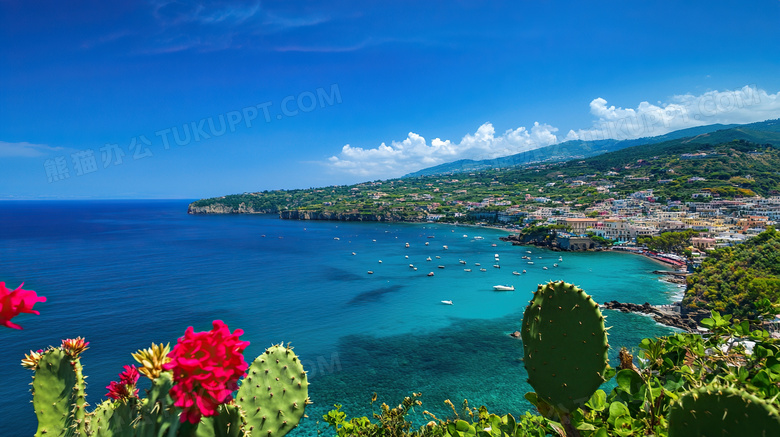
[743, 280]
[672, 242]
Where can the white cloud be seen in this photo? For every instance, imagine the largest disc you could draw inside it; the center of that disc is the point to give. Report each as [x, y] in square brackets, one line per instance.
[26, 150]
[746, 105]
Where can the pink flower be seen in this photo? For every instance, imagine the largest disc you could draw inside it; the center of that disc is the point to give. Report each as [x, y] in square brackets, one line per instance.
[12, 303]
[206, 367]
[125, 388]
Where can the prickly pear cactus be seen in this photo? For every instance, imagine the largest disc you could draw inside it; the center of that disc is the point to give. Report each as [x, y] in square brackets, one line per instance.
[229, 422]
[274, 393]
[157, 415]
[718, 411]
[112, 419]
[565, 345]
[54, 388]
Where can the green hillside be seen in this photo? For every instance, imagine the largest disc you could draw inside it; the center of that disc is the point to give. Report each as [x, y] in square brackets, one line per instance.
[739, 162]
[737, 280]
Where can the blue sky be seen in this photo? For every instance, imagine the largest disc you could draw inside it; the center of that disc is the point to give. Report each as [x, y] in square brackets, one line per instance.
[163, 99]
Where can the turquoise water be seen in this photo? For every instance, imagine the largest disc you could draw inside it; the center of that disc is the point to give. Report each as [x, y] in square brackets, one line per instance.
[125, 274]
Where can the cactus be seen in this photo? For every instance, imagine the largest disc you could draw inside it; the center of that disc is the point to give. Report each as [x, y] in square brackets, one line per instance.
[156, 415]
[270, 400]
[54, 384]
[722, 411]
[112, 419]
[229, 422]
[274, 393]
[565, 345]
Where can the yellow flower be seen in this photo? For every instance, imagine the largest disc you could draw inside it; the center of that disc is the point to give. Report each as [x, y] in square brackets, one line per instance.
[152, 359]
[30, 361]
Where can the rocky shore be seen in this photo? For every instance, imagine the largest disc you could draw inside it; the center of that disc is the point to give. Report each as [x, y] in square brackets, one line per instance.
[663, 315]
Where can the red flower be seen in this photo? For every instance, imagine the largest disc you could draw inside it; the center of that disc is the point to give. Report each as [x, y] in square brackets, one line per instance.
[125, 388]
[12, 303]
[206, 368]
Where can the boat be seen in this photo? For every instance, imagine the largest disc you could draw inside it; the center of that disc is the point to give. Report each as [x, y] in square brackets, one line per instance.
[527, 251]
[431, 236]
[494, 245]
[516, 273]
[496, 266]
[411, 266]
[380, 261]
[336, 238]
[370, 272]
[415, 269]
[428, 259]
[462, 262]
[560, 259]
[445, 247]
[504, 287]
[495, 256]
[482, 270]
[477, 264]
[441, 267]
[555, 265]
[438, 257]
[353, 253]
[406, 256]
[479, 238]
[544, 268]
[447, 302]
[530, 262]
[430, 274]
[406, 245]
[465, 236]
[523, 271]
[426, 243]
[466, 270]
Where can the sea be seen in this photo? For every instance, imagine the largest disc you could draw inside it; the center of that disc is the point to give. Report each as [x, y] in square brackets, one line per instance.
[356, 303]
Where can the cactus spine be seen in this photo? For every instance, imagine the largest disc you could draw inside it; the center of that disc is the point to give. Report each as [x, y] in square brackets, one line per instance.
[719, 411]
[274, 393]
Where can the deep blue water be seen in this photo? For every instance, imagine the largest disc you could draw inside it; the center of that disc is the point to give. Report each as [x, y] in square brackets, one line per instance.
[124, 274]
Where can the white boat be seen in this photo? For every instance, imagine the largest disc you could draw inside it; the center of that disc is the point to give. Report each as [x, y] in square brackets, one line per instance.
[447, 302]
[482, 270]
[430, 274]
[523, 271]
[560, 259]
[441, 267]
[544, 268]
[370, 272]
[462, 262]
[380, 261]
[477, 264]
[495, 256]
[445, 247]
[466, 270]
[438, 257]
[494, 245]
[411, 266]
[516, 273]
[479, 238]
[555, 265]
[426, 243]
[428, 259]
[496, 266]
[353, 253]
[527, 251]
[335, 238]
[465, 236]
[406, 245]
[504, 287]
[530, 262]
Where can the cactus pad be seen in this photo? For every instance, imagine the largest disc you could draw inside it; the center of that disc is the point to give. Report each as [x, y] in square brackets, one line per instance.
[53, 392]
[565, 345]
[274, 393]
[716, 411]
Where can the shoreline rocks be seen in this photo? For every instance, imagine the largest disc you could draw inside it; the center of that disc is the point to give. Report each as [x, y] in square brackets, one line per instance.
[664, 317]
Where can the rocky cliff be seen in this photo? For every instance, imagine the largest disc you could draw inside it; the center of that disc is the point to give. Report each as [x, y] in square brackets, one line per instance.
[219, 208]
